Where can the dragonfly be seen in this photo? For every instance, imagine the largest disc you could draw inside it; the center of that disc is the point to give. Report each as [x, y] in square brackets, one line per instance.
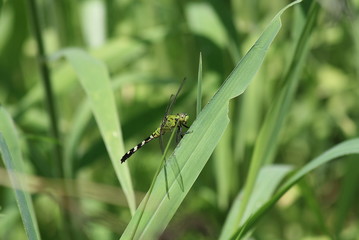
[169, 123]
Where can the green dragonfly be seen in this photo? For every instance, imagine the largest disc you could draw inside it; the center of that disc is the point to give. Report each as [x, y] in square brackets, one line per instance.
[169, 123]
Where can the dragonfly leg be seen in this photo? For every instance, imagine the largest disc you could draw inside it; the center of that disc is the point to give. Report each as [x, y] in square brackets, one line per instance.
[188, 132]
[183, 133]
[178, 134]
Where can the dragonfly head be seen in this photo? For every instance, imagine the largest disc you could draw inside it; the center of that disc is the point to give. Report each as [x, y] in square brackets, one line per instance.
[183, 117]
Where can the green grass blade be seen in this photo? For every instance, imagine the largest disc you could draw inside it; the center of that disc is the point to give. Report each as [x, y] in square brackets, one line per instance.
[195, 149]
[223, 169]
[309, 195]
[83, 116]
[266, 142]
[80, 120]
[199, 86]
[340, 150]
[204, 21]
[95, 80]
[64, 77]
[347, 195]
[268, 180]
[11, 154]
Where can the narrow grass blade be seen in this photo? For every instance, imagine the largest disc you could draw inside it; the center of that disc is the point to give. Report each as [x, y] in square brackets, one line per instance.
[199, 86]
[308, 194]
[11, 155]
[64, 77]
[347, 195]
[95, 80]
[345, 148]
[268, 180]
[195, 149]
[267, 140]
[80, 120]
[223, 169]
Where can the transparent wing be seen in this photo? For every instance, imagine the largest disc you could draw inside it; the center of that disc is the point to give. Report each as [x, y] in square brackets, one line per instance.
[164, 119]
[174, 166]
[177, 173]
[174, 98]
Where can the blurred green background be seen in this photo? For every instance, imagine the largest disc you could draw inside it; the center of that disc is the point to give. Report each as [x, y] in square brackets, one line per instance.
[148, 48]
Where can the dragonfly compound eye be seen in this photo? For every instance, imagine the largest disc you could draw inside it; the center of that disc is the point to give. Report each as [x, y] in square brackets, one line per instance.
[182, 116]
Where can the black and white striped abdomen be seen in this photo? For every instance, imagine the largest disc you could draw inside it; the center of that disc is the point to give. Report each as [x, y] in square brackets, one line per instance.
[138, 146]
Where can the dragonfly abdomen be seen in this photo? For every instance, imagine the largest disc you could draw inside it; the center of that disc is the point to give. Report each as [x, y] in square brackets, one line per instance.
[138, 146]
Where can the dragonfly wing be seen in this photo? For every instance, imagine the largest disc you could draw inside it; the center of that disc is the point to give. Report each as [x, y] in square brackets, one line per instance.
[172, 101]
[166, 178]
[177, 173]
[174, 165]
[164, 120]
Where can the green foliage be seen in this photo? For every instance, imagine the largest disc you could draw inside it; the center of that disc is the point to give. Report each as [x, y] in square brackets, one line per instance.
[11, 155]
[279, 97]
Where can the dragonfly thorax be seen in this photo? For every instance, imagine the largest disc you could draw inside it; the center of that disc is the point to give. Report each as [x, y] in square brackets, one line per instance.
[170, 122]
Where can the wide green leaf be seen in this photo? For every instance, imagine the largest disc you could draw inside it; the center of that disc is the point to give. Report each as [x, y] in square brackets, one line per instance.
[95, 80]
[340, 150]
[203, 20]
[195, 148]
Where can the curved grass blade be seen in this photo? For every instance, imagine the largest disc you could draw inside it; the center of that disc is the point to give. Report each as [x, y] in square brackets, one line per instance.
[340, 150]
[195, 149]
[117, 54]
[11, 155]
[268, 180]
[73, 138]
[95, 80]
[267, 140]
